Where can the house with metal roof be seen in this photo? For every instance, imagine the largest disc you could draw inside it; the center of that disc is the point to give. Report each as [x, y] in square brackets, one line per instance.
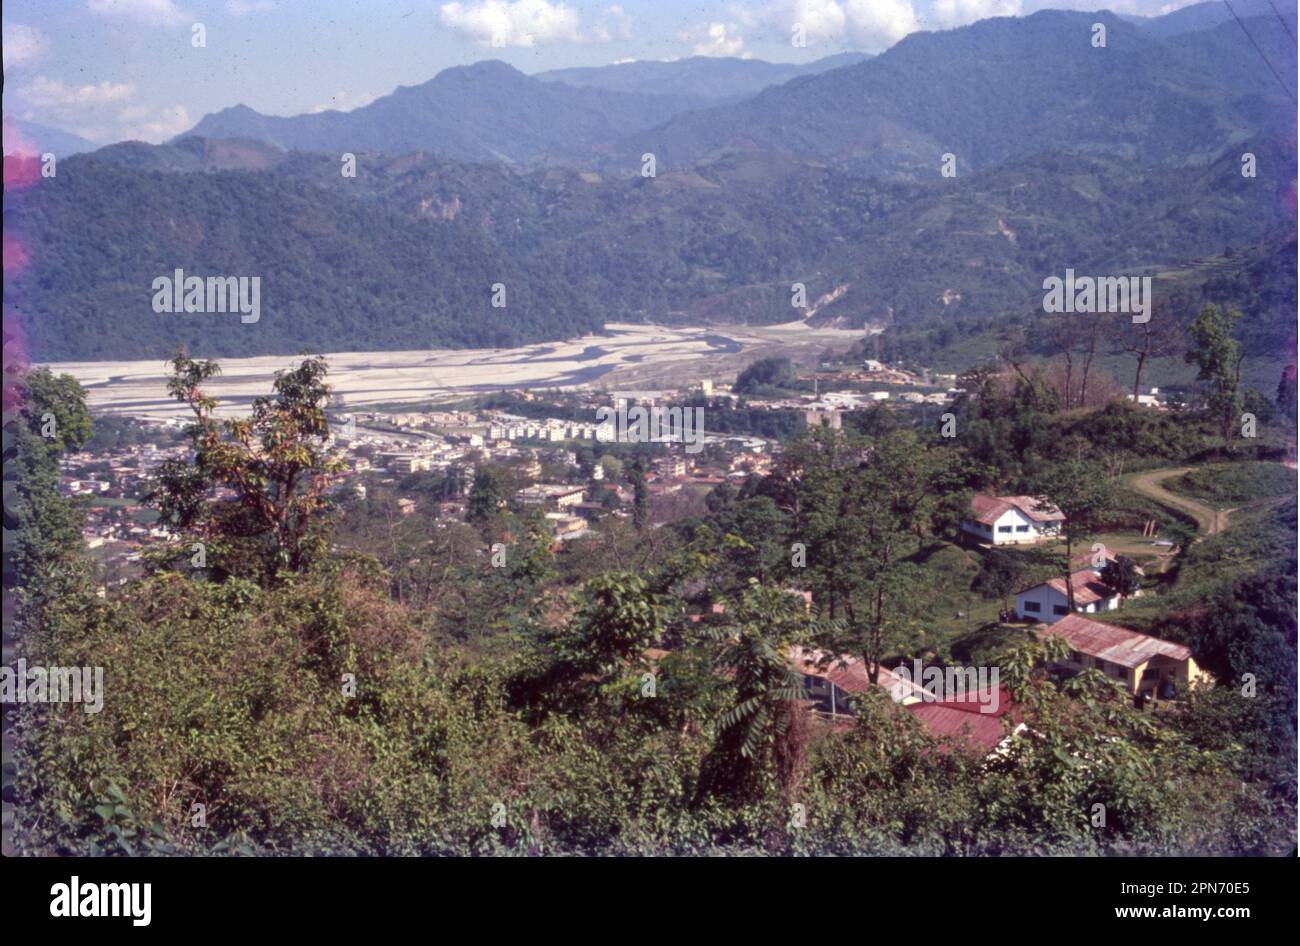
[1048, 601]
[967, 722]
[1011, 520]
[1146, 665]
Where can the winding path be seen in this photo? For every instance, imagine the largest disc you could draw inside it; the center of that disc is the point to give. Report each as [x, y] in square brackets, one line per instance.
[1208, 519]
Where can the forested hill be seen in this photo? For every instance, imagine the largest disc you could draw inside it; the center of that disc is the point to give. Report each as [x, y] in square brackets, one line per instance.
[404, 255]
[1118, 160]
[1005, 88]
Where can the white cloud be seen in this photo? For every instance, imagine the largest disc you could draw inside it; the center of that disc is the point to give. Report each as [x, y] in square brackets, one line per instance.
[879, 24]
[521, 23]
[148, 12]
[950, 13]
[820, 19]
[155, 125]
[869, 24]
[22, 44]
[53, 93]
[715, 39]
[244, 7]
[103, 111]
[613, 24]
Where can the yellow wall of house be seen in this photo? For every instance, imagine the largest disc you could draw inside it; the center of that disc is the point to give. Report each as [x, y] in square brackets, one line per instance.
[1185, 672]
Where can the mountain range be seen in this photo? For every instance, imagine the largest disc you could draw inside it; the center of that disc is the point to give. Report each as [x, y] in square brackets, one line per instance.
[1123, 159]
[491, 111]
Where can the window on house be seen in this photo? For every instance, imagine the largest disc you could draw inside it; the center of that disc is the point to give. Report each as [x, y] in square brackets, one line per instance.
[1033, 607]
[1005, 529]
[1022, 528]
[1060, 609]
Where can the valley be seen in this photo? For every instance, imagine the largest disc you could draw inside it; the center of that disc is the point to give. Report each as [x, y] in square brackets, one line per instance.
[626, 356]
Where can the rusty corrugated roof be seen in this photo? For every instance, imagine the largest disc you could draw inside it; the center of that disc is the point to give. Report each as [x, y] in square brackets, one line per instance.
[980, 732]
[1118, 645]
[988, 509]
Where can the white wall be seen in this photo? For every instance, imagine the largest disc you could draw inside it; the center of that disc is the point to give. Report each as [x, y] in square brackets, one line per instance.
[1048, 598]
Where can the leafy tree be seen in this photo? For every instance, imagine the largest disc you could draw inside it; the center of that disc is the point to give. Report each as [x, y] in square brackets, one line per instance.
[488, 498]
[1002, 573]
[1218, 359]
[863, 510]
[640, 492]
[1286, 392]
[753, 651]
[43, 546]
[620, 618]
[1081, 491]
[764, 375]
[758, 531]
[1121, 574]
[1159, 336]
[275, 461]
[721, 496]
[613, 467]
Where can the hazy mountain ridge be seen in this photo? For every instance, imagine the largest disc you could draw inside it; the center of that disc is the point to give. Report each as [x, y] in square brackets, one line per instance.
[1203, 16]
[995, 91]
[32, 138]
[485, 112]
[704, 77]
[1002, 89]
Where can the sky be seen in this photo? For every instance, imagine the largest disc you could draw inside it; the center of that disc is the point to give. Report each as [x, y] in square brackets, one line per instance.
[111, 70]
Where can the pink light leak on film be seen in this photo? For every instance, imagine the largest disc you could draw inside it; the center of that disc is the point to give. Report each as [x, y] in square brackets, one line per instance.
[22, 169]
[22, 161]
[15, 365]
[16, 256]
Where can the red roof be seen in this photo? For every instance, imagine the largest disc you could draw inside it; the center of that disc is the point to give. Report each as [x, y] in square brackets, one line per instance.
[962, 718]
[1087, 588]
[1118, 645]
[989, 509]
[980, 733]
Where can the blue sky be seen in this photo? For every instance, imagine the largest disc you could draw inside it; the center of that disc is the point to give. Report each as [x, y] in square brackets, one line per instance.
[115, 69]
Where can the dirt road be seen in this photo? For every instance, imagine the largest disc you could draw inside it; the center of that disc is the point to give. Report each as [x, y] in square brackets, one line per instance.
[1208, 520]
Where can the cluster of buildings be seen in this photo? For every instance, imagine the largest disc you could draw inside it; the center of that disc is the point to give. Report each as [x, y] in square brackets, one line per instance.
[983, 718]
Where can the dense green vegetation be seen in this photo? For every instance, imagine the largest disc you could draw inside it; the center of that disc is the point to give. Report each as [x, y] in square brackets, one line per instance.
[405, 255]
[419, 686]
[1230, 484]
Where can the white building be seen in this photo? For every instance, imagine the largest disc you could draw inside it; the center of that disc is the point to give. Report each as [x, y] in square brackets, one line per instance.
[555, 495]
[1012, 520]
[1048, 603]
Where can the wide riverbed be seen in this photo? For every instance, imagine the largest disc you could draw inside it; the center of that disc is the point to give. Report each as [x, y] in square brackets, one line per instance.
[628, 356]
